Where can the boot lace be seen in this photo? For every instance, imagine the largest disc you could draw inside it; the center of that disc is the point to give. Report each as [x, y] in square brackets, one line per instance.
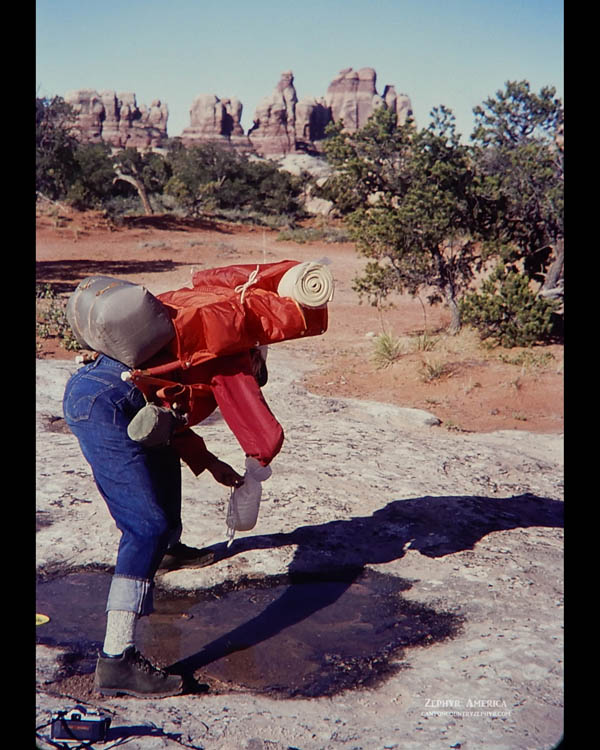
[146, 665]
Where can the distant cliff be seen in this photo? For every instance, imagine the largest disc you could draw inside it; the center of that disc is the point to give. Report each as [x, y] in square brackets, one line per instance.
[282, 124]
[117, 119]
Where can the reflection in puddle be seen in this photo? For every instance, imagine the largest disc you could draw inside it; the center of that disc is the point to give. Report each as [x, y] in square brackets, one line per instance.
[298, 635]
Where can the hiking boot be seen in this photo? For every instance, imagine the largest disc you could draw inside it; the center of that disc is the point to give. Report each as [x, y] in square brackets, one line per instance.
[182, 556]
[132, 674]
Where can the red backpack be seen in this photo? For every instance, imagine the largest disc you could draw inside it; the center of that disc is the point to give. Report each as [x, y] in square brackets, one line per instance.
[227, 312]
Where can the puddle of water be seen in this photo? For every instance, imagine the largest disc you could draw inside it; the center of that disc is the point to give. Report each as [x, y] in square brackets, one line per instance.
[75, 605]
[305, 636]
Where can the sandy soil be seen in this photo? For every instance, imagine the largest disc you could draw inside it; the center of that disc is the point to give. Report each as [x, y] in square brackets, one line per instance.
[468, 513]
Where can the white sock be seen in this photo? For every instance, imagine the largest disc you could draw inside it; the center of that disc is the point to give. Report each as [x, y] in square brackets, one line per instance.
[120, 631]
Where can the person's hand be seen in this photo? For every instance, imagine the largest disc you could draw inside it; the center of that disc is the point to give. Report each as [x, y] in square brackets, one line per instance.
[225, 474]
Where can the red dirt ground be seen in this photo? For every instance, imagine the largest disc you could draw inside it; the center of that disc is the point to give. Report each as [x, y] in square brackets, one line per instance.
[470, 387]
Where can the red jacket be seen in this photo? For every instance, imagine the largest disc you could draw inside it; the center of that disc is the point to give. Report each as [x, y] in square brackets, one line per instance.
[227, 383]
[207, 364]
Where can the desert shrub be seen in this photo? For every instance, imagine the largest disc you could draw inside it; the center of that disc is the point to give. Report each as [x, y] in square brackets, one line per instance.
[51, 318]
[313, 234]
[252, 216]
[210, 178]
[92, 185]
[507, 310]
[528, 359]
[267, 188]
[425, 342]
[387, 348]
[434, 370]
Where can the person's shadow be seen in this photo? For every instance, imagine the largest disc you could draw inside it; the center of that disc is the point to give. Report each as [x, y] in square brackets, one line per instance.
[338, 552]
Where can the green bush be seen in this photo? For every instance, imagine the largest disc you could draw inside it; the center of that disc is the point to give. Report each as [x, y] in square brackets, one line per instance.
[211, 178]
[313, 234]
[387, 348]
[93, 184]
[507, 311]
[55, 163]
[51, 318]
[84, 175]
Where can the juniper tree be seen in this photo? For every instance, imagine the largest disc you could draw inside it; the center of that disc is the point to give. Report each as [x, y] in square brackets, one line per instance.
[55, 146]
[519, 155]
[518, 151]
[410, 200]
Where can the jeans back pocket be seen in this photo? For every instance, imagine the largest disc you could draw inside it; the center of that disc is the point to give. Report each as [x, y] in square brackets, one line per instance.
[82, 392]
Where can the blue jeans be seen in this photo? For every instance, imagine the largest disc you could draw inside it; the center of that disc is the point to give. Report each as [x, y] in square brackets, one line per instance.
[141, 486]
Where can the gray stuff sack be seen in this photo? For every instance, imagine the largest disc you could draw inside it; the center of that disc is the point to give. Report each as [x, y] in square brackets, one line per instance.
[118, 318]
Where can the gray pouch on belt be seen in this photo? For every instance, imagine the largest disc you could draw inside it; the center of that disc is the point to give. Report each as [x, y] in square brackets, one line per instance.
[152, 426]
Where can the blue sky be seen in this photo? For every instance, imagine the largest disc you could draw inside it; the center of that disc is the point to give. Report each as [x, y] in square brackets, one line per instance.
[453, 52]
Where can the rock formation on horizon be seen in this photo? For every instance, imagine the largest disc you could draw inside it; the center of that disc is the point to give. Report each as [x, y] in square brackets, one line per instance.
[216, 120]
[283, 124]
[352, 97]
[312, 117]
[117, 119]
[274, 129]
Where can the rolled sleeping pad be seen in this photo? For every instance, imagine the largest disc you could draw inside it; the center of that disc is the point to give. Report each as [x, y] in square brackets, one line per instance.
[309, 283]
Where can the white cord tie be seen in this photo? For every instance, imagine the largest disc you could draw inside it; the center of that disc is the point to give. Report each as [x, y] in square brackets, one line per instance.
[251, 280]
